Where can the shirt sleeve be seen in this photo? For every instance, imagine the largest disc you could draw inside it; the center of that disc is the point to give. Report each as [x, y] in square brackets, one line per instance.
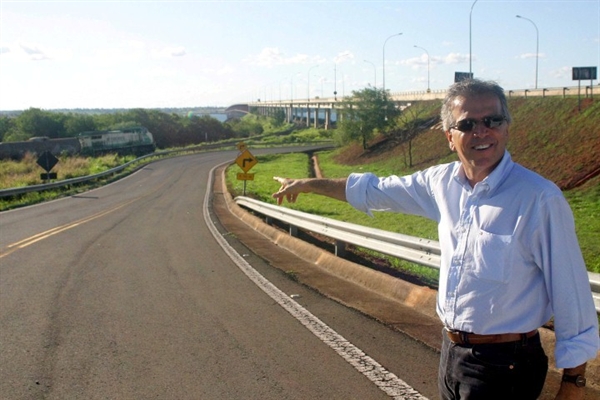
[408, 194]
[567, 282]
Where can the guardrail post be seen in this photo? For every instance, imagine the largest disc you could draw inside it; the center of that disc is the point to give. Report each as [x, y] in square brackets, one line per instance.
[293, 231]
[340, 248]
[526, 91]
[544, 92]
[510, 92]
[564, 92]
[269, 220]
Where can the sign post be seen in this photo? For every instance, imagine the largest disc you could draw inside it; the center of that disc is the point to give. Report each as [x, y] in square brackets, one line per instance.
[47, 161]
[580, 73]
[461, 76]
[245, 161]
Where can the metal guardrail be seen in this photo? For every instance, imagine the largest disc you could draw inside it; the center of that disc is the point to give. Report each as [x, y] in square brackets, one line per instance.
[16, 191]
[420, 251]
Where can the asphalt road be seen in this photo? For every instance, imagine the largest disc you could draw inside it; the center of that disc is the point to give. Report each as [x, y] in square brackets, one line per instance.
[124, 293]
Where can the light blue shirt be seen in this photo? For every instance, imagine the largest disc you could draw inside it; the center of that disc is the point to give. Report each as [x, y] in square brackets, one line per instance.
[510, 258]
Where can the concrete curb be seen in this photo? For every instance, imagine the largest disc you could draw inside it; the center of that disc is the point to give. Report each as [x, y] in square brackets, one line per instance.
[420, 299]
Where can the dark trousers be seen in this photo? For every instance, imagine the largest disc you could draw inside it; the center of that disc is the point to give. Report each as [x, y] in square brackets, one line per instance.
[515, 370]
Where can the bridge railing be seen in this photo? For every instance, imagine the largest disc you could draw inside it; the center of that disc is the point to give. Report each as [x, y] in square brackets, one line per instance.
[417, 250]
[584, 91]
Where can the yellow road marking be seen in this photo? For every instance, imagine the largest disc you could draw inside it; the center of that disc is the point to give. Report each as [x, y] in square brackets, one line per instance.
[51, 232]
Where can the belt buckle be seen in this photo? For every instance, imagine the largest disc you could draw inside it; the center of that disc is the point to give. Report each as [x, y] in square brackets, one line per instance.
[461, 335]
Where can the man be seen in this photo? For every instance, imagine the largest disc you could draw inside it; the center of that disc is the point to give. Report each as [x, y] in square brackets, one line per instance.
[510, 256]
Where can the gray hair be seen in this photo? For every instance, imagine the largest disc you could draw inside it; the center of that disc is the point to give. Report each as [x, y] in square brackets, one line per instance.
[467, 88]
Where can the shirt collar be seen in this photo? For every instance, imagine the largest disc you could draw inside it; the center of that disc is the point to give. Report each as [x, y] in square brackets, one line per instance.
[494, 179]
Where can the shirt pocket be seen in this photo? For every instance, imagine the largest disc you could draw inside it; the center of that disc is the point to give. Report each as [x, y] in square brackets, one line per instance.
[491, 253]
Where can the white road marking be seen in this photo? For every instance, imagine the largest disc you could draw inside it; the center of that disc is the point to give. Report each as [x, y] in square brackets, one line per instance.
[384, 379]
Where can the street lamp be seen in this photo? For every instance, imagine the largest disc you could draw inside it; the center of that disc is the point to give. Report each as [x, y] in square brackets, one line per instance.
[374, 72]
[397, 34]
[308, 83]
[470, 45]
[292, 86]
[335, 81]
[537, 47]
[422, 48]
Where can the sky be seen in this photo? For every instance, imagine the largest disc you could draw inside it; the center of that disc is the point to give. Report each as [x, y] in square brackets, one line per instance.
[163, 54]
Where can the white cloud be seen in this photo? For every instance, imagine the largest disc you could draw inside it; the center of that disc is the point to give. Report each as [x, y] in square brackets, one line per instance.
[530, 55]
[25, 52]
[416, 62]
[34, 52]
[271, 56]
[343, 56]
[562, 73]
[167, 52]
[456, 58]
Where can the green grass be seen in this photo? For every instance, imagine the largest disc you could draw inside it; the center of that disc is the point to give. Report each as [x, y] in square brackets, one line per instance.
[585, 204]
[26, 172]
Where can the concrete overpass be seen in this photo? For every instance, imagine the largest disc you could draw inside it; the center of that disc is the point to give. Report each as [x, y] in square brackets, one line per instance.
[321, 112]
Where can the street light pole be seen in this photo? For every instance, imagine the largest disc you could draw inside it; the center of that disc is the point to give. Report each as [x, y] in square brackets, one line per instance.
[308, 83]
[374, 72]
[397, 34]
[419, 47]
[470, 41]
[537, 47]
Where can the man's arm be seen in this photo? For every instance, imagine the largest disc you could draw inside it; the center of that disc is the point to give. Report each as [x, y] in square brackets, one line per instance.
[569, 390]
[291, 188]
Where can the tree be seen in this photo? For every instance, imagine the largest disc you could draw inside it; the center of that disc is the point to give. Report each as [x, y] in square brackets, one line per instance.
[367, 111]
[6, 125]
[35, 122]
[74, 124]
[279, 118]
[408, 124]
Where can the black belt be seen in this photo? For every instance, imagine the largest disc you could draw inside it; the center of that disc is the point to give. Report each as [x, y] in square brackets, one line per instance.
[460, 337]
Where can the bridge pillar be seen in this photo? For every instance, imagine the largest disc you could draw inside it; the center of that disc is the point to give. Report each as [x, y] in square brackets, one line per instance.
[316, 124]
[327, 118]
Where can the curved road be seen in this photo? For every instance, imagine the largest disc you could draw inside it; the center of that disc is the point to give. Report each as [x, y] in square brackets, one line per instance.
[125, 293]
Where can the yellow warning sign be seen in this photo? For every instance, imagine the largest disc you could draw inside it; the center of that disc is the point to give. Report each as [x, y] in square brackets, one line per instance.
[242, 176]
[246, 161]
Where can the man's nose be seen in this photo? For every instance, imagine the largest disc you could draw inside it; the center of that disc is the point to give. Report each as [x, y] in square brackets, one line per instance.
[480, 129]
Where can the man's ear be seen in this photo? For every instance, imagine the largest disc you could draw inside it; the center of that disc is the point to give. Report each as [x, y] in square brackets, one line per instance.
[450, 140]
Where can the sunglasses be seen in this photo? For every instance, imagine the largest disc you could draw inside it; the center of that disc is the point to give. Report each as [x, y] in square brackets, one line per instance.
[468, 124]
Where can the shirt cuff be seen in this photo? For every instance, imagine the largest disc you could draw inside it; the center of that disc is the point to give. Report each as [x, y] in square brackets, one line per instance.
[356, 191]
[575, 351]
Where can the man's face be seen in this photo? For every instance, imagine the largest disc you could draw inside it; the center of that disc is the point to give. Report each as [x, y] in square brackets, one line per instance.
[481, 149]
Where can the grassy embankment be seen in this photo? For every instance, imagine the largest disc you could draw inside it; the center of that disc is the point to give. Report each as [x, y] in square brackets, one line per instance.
[548, 135]
[26, 172]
